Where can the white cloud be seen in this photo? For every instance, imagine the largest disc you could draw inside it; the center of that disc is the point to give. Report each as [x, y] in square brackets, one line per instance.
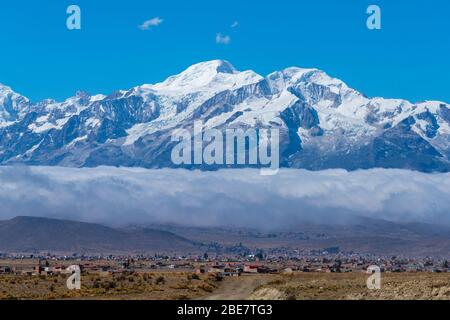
[119, 196]
[154, 22]
[235, 24]
[222, 39]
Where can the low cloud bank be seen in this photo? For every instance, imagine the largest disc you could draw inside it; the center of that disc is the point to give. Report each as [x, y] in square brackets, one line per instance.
[239, 198]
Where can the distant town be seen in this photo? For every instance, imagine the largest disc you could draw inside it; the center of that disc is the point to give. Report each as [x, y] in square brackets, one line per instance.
[327, 260]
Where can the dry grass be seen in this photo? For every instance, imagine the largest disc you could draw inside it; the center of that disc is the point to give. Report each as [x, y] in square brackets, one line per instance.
[170, 285]
[186, 285]
[349, 286]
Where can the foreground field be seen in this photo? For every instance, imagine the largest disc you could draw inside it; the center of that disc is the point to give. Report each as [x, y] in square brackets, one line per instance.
[350, 286]
[186, 285]
[126, 285]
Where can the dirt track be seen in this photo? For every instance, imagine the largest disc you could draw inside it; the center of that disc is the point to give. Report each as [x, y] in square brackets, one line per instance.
[238, 288]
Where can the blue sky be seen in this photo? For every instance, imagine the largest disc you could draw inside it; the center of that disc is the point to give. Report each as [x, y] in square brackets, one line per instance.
[407, 58]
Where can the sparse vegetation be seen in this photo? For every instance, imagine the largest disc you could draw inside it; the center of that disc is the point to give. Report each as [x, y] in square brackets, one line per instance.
[173, 283]
[146, 285]
[160, 280]
[351, 286]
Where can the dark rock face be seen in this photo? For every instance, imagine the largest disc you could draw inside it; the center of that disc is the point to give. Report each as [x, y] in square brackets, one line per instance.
[400, 146]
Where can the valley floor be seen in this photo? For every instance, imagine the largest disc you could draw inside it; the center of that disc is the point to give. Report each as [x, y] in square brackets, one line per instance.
[185, 285]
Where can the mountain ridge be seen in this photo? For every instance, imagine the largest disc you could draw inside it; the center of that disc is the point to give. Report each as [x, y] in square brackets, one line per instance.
[323, 123]
[36, 234]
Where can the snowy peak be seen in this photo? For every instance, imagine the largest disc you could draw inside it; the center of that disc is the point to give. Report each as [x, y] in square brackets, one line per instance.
[12, 104]
[206, 69]
[220, 66]
[215, 75]
[307, 81]
[292, 74]
[7, 91]
[4, 89]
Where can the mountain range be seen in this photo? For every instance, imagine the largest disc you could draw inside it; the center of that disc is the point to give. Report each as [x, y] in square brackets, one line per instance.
[323, 123]
[362, 235]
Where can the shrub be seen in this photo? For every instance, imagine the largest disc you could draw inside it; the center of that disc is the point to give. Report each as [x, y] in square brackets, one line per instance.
[195, 276]
[160, 280]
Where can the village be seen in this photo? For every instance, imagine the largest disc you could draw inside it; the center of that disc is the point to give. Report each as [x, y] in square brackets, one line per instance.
[224, 266]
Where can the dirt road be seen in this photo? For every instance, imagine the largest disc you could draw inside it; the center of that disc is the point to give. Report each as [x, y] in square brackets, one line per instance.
[238, 288]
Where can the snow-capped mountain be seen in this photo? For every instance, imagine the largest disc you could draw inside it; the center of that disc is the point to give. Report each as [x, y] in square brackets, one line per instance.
[323, 123]
[12, 105]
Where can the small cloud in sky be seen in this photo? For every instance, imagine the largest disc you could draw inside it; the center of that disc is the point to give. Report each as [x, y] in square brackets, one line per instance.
[221, 39]
[235, 24]
[154, 22]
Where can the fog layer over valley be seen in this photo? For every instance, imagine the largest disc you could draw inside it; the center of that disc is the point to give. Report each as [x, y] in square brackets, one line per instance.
[225, 198]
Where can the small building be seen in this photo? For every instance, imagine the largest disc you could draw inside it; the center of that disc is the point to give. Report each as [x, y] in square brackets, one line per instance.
[263, 269]
[200, 270]
[288, 270]
[216, 269]
[5, 270]
[230, 273]
[250, 269]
